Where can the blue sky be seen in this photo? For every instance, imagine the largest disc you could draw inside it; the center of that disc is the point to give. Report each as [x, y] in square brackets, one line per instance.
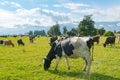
[47, 12]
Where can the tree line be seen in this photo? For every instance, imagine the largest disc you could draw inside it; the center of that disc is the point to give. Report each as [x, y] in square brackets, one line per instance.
[37, 32]
[85, 28]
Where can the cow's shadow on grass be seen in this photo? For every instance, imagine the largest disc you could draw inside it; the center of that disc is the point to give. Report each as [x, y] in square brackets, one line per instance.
[80, 74]
[97, 76]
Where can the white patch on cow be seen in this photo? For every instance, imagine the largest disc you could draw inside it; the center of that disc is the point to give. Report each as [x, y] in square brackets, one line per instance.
[80, 47]
[57, 61]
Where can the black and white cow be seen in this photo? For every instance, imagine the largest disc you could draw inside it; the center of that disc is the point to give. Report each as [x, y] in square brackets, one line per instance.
[109, 40]
[73, 47]
[31, 38]
[20, 42]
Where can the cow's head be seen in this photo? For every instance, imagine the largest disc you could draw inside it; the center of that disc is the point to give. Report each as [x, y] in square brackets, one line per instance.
[47, 63]
[50, 56]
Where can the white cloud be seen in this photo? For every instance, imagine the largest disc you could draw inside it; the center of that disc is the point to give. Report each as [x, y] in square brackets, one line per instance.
[57, 5]
[110, 14]
[101, 25]
[118, 24]
[35, 17]
[12, 4]
[44, 5]
[4, 2]
[15, 4]
[46, 17]
[99, 14]
[56, 16]
[72, 6]
[109, 25]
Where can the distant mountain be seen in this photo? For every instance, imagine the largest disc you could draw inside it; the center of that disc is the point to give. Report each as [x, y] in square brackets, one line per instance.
[108, 25]
[22, 29]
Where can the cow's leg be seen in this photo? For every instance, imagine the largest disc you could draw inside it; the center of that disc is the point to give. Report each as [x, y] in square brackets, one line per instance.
[57, 62]
[66, 60]
[85, 65]
[88, 59]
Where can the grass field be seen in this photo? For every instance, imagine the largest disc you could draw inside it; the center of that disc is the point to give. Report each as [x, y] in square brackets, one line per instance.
[26, 62]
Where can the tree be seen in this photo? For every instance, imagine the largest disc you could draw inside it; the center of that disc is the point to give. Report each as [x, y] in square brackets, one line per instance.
[64, 30]
[54, 30]
[30, 33]
[101, 31]
[109, 33]
[72, 32]
[86, 26]
[42, 32]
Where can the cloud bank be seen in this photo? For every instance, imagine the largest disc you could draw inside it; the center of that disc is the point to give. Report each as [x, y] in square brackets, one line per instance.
[48, 17]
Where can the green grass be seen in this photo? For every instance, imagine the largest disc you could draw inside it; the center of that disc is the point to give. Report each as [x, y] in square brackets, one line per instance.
[26, 62]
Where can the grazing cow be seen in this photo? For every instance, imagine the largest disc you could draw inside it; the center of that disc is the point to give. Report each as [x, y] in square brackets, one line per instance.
[52, 39]
[8, 43]
[72, 47]
[1, 41]
[20, 42]
[109, 40]
[32, 37]
[96, 38]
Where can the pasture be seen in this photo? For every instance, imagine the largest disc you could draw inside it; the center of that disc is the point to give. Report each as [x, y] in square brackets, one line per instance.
[26, 62]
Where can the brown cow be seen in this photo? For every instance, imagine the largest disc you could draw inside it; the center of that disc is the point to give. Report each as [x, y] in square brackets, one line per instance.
[96, 38]
[8, 43]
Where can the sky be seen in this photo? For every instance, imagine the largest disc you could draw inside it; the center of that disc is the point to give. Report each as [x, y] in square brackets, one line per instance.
[47, 12]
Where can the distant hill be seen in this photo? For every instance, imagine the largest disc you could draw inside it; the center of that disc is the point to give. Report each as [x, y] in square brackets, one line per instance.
[22, 29]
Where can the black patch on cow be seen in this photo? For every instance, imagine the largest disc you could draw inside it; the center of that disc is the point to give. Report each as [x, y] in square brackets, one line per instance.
[58, 50]
[51, 54]
[68, 48]
[49, 57]
[1, 41]
[90, 43]
[47, 63]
